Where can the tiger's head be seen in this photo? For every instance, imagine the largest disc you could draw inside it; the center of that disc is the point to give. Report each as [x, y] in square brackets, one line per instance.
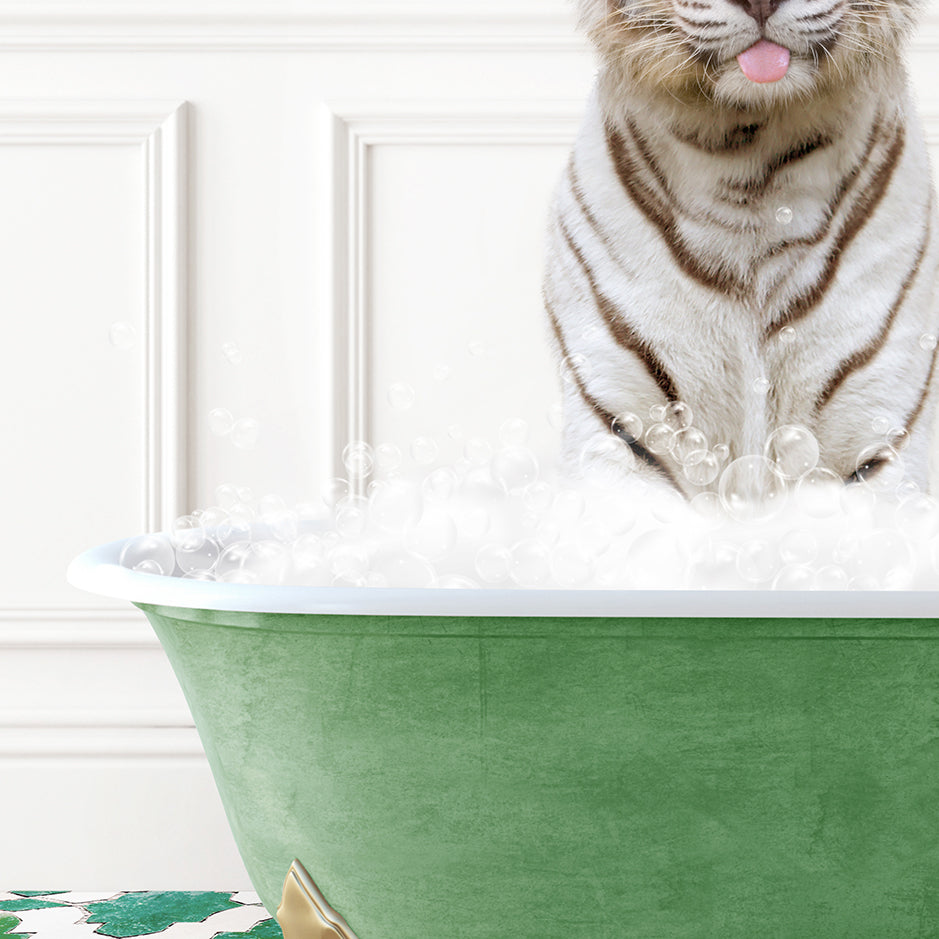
[748, 53]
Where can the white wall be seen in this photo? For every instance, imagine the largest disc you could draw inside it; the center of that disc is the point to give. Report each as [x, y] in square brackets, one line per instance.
[353, 193]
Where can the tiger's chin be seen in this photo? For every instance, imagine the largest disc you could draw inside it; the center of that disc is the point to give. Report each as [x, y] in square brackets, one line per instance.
[731, 88]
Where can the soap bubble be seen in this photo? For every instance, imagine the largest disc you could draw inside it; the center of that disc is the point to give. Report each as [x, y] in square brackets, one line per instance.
[198, 559]
[758, 561]
[722, 452]
[555, 416]
[880, 425]
[629, 426]
[352, 516]
[440, 485]
[401, 396]
[232, 353]
[401, 569]
[221, 422]
[514, 468]
[395, 504]
[795, 577]
[187, 533]
[831, 577]
[928, 342]
[349, 561]
[918, 517]
[689, 445]
[701, 468]
[707, 505]
[226, 495]
[762, 385]
[424, 450]
[787, 334]
[334, 491]
[478, 451]
[660, 438]
[877, 465]
[244, 433]
[575, 368]
[818, 492]
[493, 562]
[514, 433]
[456, 582]
[568, 506]
[478, 348]
[388, 458]
[122, 336]
[798, 547]
[784, 215]
[358, 459]
[531, 563]
[750, 490]
[538, 497]
[793, 450]
[155, 552]
[678, 415]
[442, 372]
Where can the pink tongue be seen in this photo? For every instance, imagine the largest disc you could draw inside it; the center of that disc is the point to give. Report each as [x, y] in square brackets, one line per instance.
[764, 61]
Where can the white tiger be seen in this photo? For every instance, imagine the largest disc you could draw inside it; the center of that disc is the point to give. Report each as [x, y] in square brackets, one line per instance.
[747, 225]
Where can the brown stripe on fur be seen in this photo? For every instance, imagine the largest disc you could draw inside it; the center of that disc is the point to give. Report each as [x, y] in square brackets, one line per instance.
[860, 358]
[758, 185]
[859, 214]
[609, 420]
[620, 330]
[737, 138]
[921, 403]
[663, 218]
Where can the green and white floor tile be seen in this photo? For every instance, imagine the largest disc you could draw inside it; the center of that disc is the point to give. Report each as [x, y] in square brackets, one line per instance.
[65, 914]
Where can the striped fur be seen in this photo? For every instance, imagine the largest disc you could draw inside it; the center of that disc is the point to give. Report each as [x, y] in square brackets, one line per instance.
[670, 275]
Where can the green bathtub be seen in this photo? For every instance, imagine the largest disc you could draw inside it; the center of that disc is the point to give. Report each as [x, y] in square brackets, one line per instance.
[574, 765]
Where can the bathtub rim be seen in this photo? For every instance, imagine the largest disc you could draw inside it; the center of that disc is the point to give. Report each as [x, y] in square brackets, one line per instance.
[98, 571]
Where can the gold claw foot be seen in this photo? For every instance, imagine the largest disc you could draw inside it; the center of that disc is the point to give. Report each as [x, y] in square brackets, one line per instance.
[304, 913]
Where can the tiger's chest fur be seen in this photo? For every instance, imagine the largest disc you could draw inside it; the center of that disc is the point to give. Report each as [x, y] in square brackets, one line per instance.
[765, 270]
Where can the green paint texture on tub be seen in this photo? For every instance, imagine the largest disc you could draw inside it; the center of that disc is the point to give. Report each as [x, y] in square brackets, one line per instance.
[467, 778]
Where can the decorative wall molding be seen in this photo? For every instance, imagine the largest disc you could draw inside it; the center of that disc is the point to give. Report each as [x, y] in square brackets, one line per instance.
[159, 130]
[350, 131]
[30, 741]
[73, 628]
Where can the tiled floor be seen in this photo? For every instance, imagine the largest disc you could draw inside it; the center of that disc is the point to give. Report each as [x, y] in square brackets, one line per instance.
[58, 914]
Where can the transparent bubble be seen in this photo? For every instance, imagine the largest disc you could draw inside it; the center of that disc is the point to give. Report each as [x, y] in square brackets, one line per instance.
[226, 495]
[245, 495]
[708, 506]
[388, 458]
[538, 497]
[628, 426]
[473, 522]
[858, 502]
[424, 450]
[531, 563]
[359, 459]
[237, 527]
[602, 463]
[201, 558]
[514, 433]
[798, 547]
[795, 577]
[880, 425]
[898, 437]
[656, 559]
[907, 489]
[758, 562]
[205, 576]
[762, 385]
[722, 452]
[555, 416]
[750, 490]
[187, 533]
[211, 517]
[787, 334]
[514, 468]
[918, 517]
[793, 450]
[660, 438]
[434, 536]
[877, 466]
[818, 493]
[784, 215]
[928, 342]
[442, 372]
[478, 451]
[352, 516]
[657, 413]
[334, 491]
[701, 468]
[221, 422]
[244, 433]
[282, 525]
[575, 368]
[263, 562]
[457, 582]
[401, 396]
[831, 577]
[678, 415]
[154, 551]
[689, 445]
[881, 557]
[440, 485]
[122, 336]
[232, 353]
[713, 566]
[395, 504]
[455, 432]
[349, 561]
[569, 567]
[478, 348]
